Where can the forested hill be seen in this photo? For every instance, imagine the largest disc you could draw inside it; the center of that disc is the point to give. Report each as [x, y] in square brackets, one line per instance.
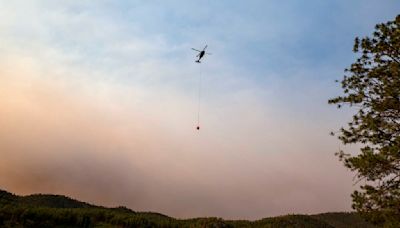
[42, 210]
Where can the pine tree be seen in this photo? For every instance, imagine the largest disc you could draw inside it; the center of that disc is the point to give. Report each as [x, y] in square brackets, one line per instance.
[372, 86]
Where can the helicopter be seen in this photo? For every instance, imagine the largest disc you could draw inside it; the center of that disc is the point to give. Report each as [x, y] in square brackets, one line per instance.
[201, 53]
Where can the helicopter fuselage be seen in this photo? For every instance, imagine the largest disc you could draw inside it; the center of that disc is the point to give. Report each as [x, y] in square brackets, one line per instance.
[201, 54]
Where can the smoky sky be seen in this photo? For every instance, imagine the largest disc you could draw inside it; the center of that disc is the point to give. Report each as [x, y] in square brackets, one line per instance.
[56, 142]
[99, 102]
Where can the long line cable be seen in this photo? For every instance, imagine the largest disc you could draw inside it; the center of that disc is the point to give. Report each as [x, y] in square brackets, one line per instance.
[199, 100]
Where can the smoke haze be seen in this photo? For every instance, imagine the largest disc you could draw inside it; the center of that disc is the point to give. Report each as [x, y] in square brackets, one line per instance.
[99, 103]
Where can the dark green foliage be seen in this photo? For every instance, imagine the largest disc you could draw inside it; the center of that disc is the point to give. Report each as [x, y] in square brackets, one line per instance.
[56, 201]
[372, 85]
[292, 221]
[342, 220]
[6, 197]
[60, 211]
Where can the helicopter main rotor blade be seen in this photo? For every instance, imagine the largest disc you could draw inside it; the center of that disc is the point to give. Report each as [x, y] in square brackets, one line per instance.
[208, 53]
[205, 48]
[195, 50]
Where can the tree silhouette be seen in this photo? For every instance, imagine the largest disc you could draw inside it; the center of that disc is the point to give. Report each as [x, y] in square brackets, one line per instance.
[372, 86]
